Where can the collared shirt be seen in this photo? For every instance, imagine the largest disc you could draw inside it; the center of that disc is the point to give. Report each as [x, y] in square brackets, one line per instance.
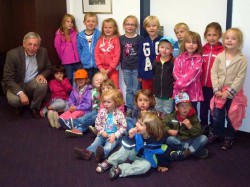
[31, 68]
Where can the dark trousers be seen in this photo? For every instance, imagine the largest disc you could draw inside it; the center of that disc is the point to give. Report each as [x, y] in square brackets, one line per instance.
[219, 126]
[205, 106]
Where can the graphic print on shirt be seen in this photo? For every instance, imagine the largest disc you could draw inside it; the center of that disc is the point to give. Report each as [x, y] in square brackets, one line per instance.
[147, 52]
[106, 46]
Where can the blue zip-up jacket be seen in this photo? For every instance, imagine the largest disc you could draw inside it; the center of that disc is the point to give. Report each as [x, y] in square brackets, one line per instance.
[86, 53]
[156, 152]
[147, 54]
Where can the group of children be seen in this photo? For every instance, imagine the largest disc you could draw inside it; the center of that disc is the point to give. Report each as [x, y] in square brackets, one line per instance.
[160, 123]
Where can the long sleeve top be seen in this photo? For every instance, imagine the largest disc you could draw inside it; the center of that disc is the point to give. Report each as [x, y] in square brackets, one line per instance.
[66, 50]
[187, 73]
[107, 53]
[60, 89]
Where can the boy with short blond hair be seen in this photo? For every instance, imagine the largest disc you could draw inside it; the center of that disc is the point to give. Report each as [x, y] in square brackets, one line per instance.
[180, 29]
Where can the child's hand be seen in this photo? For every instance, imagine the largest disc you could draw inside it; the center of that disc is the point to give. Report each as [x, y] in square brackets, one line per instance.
[104, 71]
[139, 79]
[187, 123]
[132, 132]
[72, 108]
[111, 138]
[49, 107]
[162, 169]
[105, 134]
[218, 94]
[173, 132]
[224, 95]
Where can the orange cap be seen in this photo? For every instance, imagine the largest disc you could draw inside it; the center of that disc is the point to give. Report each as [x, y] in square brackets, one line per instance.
[81, 74]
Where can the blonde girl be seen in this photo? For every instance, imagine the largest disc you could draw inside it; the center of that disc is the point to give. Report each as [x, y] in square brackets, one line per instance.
[130, 43]
[110, 124]
[107, 50]
[66, 45]
[188, 68]
[228, 75]
[210, 50]
[86, 42]
[145, 147]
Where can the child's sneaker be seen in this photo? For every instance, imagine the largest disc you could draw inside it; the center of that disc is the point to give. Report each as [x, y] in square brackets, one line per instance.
[65, 123]
[212, 138]
[203, 153]
[176, 155]
[227, 144]
[83, 153]
[92, 129]
[103, 166]
[74, 133]
[43, 112]
[115, 171]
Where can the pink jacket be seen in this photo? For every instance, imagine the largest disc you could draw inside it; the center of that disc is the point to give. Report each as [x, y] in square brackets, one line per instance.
[237, 110]
[187, 73]
[107, 53]
[66, 50]
[60, 89]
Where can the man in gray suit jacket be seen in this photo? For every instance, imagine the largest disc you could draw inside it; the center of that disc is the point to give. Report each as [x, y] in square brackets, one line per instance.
[25, 75]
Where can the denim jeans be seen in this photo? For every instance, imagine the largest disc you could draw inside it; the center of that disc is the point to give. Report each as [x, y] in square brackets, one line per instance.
[82, 123]
[59, 104]
[205, 106]
[164, 105]
[221, 128]
[194, 144]
[100, 140]
[131, 82]
[70, 69]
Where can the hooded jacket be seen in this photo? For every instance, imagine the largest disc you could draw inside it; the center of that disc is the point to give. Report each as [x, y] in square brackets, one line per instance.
[86, 53]
[66, 50]
[209, 54]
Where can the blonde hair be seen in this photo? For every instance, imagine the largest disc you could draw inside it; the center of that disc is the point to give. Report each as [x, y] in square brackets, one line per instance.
[131, 17]
[111, 20]
[104, 76]
[194, 36]
[239, 36]
[181, 25]
[150, 19]
[64, 30]
[148, 94]
[153, 124]
[90, 14]
[115, 95]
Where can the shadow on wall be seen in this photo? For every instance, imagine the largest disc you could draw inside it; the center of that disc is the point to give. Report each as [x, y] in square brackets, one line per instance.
[2, 62]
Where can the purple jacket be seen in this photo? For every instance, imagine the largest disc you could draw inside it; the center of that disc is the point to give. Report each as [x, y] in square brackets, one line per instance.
[187, 74]
[67, 50]
[83, 101]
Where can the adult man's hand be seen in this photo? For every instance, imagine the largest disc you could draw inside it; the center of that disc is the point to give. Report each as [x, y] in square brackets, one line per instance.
[41, 79]
[23, 98]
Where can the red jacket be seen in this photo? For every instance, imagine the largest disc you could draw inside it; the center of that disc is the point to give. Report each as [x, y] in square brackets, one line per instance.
[209, 54]
[107, 53]
[60, 89]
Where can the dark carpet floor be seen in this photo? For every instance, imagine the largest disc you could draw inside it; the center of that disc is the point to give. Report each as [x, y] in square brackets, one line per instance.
[33, 154]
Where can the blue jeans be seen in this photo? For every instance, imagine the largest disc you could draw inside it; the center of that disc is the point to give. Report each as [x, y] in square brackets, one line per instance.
[131, 82]
[220, 128]
[70, 69]
[100, 140]
[82, 123]
[59, 104]
[194, 144]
